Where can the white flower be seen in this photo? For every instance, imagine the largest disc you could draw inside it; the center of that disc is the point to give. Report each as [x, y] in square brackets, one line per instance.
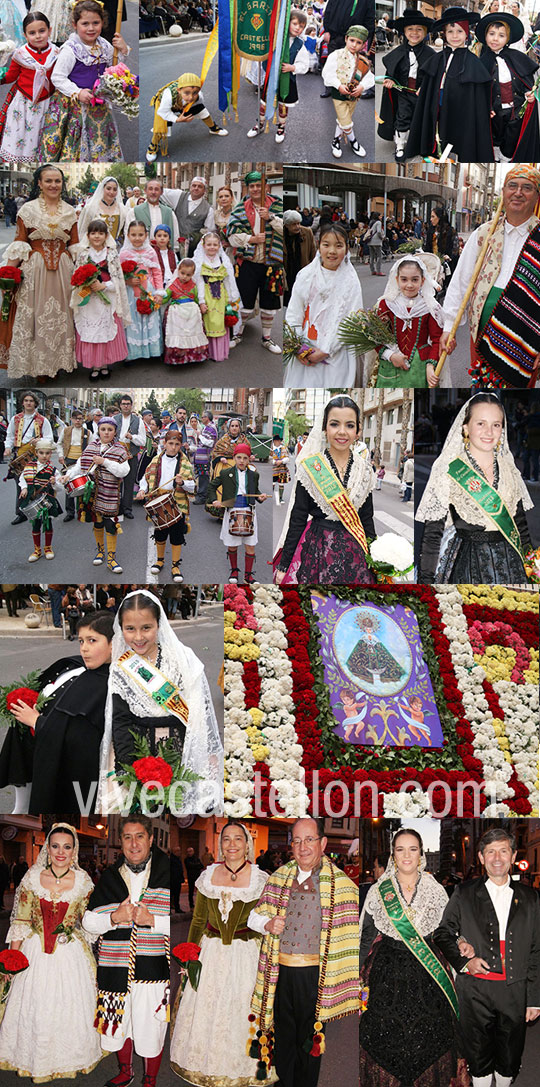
[393, 550]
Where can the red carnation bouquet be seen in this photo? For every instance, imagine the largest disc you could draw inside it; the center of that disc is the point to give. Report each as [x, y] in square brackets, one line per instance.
[162, 774]
[147, 304]
[132, 270]
[187, 956]
[83, 278]
[231, 316]
[11, 963]
[10, 278]
[24, 690]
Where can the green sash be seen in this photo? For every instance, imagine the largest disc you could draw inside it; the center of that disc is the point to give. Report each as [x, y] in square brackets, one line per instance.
[477, 488]
[335, 494]
[160, 689]
[416, 943]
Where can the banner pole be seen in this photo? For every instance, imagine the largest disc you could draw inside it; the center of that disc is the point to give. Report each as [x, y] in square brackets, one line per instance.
[259, 69]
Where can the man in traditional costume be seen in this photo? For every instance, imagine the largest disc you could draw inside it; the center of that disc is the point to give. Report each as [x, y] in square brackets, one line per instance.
[74, 441]
[24, 429]
[129, 911]
[153, 212]
[308, 965]
[502, 310]
[490, 934]
[192, 211]
[255, 230]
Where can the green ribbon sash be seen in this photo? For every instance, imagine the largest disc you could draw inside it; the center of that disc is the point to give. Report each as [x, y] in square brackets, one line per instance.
[160, 689]
[336, 496]
[477, 488]
[416, 943]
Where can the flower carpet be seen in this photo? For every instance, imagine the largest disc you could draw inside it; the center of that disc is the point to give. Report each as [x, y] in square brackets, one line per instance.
[282, 753]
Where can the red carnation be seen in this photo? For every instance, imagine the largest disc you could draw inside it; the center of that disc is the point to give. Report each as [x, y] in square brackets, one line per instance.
[143, 306]
[186, 952]
[128, 267]
[12, 962]
[153, 769]
[83, 274]
[7, 271]
[23, 694]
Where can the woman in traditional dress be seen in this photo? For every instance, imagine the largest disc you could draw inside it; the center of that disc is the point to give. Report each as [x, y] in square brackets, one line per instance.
[209, 1044]
[43, 340]
[324, 541]
[223, 457]
[48, 1027]
[324, 292]
[408, 1034]
[475, 483]
[222, 213]
[106, 204]
[145, 649]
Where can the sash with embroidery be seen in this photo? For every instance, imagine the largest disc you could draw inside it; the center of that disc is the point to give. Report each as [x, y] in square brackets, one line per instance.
[488, 499]
[336, 496]
[510, 342]
[155, 684]
[416, 943]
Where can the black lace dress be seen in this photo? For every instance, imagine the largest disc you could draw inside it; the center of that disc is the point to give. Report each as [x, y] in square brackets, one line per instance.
[408, 1034]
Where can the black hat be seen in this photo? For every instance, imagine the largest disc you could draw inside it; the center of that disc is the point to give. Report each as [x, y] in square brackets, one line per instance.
[410, 17]
[514, 25]
[457, 15]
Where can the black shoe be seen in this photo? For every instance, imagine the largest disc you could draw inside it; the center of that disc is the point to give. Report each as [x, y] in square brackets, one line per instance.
[69, 517]
[128, 514]
[18, 520]
[326, 94]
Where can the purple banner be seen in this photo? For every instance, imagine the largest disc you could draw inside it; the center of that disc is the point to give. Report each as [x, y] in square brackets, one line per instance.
[378, 681]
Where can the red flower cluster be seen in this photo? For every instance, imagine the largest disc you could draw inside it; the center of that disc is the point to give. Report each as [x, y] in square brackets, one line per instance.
[153, 769]
[230, 320]
[85, 274]
[12, 962]
[306, 721]
[524, 623]
[129, 267]
[7, 271]
[22, 694]
[144, 306]
[252, 684]
[186, 952]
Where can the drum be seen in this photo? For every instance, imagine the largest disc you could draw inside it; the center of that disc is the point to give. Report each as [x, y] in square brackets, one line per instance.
[76, 486]
[17, 464]
[241, 522]
[34, 506]
[163, 511]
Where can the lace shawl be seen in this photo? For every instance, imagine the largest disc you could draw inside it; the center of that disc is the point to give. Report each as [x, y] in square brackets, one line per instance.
[425, 910]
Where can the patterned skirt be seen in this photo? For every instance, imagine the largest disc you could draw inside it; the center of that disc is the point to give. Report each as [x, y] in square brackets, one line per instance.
[22, 129]
[75, 133]
[331, 556]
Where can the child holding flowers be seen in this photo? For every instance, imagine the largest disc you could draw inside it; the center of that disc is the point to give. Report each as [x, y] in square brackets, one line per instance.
[219, 297]
[78, 125]
[29, 73]
[185, 339]
[144, 279]
[415, 317]
[99, 302]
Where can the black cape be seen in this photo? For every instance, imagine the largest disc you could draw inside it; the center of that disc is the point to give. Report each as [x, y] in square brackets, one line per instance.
[339, 15]
[397, 68]
[111, 887]
[467, 97]
[518, 137]
[68, 738]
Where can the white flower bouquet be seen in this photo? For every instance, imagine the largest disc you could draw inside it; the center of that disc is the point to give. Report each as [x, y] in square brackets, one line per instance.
[390, 556]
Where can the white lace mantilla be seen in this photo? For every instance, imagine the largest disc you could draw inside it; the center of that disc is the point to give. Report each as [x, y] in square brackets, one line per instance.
[425, 911]
[227, 896]
[360, 484]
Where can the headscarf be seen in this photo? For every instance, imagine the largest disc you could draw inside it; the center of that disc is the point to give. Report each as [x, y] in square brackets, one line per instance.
[331, 296]
[524, 169]
[250, 851]
[43, 856]
[92, 209]
[427, 906]
[201, 257]
[441, 490]
[409, 308]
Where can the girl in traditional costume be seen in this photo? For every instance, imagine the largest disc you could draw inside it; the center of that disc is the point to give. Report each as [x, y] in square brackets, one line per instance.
[146, 653]
[416, 317]
[43, 339]
[219, 298]
[455, 86]
[106, 204]
[29, 72]
[101, 316]
[183, 330]
[324, 292]
[515, 138]
[202, 1052]
[145, 333]
[162, 245]
[106, 462]
[408, 1034]
[48, 1027]
[475, 483]
[79, 126]
[324, 541]
[38, 480]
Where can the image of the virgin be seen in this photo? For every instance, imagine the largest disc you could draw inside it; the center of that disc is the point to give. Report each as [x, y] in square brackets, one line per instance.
[372, 650]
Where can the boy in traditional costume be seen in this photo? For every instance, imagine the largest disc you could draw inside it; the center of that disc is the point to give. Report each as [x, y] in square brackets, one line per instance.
[255, 231]
[297, 63]
[403, 77]
[170, 473]
[348, 74]
[513, 74]
[38, 480]
[106, 462]
[308, 964]
[129, 911]
[178, 103]
[240, 491]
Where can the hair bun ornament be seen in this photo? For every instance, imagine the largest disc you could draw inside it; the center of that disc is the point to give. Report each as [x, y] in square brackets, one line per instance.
[75, 3]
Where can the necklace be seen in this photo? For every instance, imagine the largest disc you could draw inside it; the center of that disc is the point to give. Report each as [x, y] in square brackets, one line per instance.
[234, 875]
[344, 479]
[52, 217]
[58, 877]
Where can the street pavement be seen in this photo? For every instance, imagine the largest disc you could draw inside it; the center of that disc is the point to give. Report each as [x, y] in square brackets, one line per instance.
[391, 514]
[310, 125]
[21, 655]
[340, 1061]
[127, 127]
[204, 558]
